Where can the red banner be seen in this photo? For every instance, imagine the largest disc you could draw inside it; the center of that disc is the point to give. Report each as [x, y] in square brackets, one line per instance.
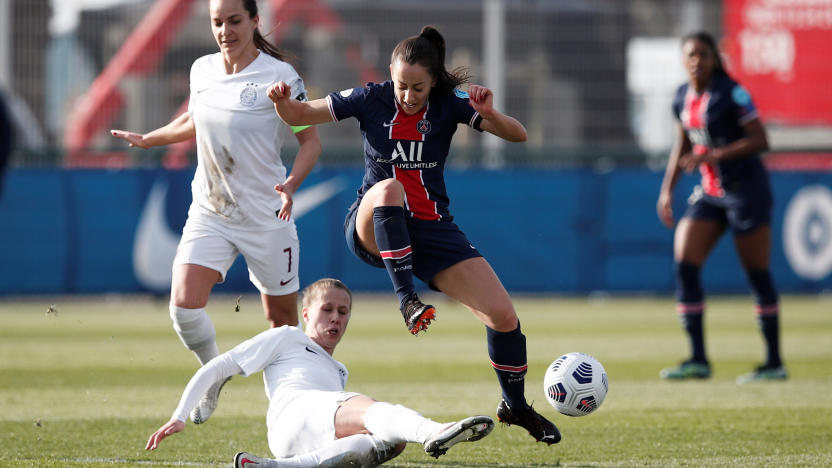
[781, 50]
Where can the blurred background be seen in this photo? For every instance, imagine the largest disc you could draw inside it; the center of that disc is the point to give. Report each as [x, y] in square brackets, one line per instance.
[570, 211]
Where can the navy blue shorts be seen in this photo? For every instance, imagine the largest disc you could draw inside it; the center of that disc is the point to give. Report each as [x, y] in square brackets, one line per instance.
[436, 245]
[743, 211]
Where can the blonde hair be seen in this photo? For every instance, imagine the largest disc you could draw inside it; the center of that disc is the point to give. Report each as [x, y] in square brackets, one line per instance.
[315, 289]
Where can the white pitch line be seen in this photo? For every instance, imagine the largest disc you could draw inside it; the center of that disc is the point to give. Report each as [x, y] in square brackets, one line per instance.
[138, 462]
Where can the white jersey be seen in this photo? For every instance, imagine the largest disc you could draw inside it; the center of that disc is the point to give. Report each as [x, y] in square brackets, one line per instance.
[238, 137]
[290, 362]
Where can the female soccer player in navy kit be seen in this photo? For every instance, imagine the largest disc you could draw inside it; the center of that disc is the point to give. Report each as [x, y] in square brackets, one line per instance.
[719, 133]
[401, 221]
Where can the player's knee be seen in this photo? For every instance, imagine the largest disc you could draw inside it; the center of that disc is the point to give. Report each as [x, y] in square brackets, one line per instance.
[502, 318]
[388, 192]
[193, 326]
[181, 298]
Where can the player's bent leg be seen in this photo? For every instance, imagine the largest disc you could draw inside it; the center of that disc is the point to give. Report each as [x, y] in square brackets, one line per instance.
[190, 287]
[474, 283]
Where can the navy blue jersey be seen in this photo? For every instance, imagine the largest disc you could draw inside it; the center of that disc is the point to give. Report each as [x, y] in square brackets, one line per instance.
[715, 118]
[410, 148]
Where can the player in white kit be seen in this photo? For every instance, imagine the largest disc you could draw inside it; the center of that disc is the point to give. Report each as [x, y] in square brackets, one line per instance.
[242, 198]
[311, 420]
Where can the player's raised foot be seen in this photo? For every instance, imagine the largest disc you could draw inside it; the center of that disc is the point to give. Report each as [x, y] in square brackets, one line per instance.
[539, 427]
[687, 370]
[208, 403]
[764, 373]
[247, 460]
[466, 430]
[417, 316]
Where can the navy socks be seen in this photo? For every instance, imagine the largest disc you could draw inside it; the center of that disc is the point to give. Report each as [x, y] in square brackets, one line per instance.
[393, 241]
[507, 351]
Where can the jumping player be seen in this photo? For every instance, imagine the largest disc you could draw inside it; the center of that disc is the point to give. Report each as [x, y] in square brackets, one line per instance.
[312, 421]
[400, 220]
[242, 198]
[720, 134]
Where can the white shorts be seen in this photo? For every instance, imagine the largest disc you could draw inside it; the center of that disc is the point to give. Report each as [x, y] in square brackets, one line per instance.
[305, 422]
[271, 256]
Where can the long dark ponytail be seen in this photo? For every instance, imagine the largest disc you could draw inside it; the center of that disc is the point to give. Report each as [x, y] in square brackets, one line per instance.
[259, 41]
[710, 42]
[428, 49]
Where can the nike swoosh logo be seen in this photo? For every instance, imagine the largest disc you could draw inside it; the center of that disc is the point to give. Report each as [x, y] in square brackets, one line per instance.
[155, 243]
[284, 283]
[246, 461]
[390, 124]
[311, 350]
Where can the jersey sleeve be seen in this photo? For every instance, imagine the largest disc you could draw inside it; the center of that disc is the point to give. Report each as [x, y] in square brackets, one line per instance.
[216, 370]
[347, 103]
[254, 354]
[295, 82]
[743, 105]
[462, 110]
[192, 90]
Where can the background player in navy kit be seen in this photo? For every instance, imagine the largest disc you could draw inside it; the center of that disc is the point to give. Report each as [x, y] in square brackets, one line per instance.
[719, 133]
[401, 221]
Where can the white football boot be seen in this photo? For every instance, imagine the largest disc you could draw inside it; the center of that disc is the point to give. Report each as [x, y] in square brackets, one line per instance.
[466, 430]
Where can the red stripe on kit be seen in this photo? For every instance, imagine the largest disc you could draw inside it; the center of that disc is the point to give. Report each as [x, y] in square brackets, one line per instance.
[690, 308]
[510, 368]
[396, 254]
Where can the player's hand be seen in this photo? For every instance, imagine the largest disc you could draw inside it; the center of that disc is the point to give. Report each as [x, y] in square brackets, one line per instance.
[689, 161]
[286, 193]
[135, 139]
[171, 427]
[481, 99]
[278, 91]
[664, 207]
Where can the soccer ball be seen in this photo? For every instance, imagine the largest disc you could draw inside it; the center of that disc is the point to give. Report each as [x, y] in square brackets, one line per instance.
[575, 384]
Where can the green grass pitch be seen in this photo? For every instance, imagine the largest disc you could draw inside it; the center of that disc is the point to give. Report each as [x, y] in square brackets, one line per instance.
[87, 385]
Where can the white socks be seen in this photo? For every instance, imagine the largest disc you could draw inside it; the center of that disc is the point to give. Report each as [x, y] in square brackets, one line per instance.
[397, 424]
[196, 331]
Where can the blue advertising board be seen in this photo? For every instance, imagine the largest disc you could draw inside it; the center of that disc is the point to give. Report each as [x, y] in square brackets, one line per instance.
[571, 230]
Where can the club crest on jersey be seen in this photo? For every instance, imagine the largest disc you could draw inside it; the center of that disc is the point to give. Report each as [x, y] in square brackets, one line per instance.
[423, 126]
[248, 96]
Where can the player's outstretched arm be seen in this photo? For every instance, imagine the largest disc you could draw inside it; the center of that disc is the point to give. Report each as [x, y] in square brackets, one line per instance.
[171, 427]
[504, 126]
[308, 153]
[179, 129]
[295, 112]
